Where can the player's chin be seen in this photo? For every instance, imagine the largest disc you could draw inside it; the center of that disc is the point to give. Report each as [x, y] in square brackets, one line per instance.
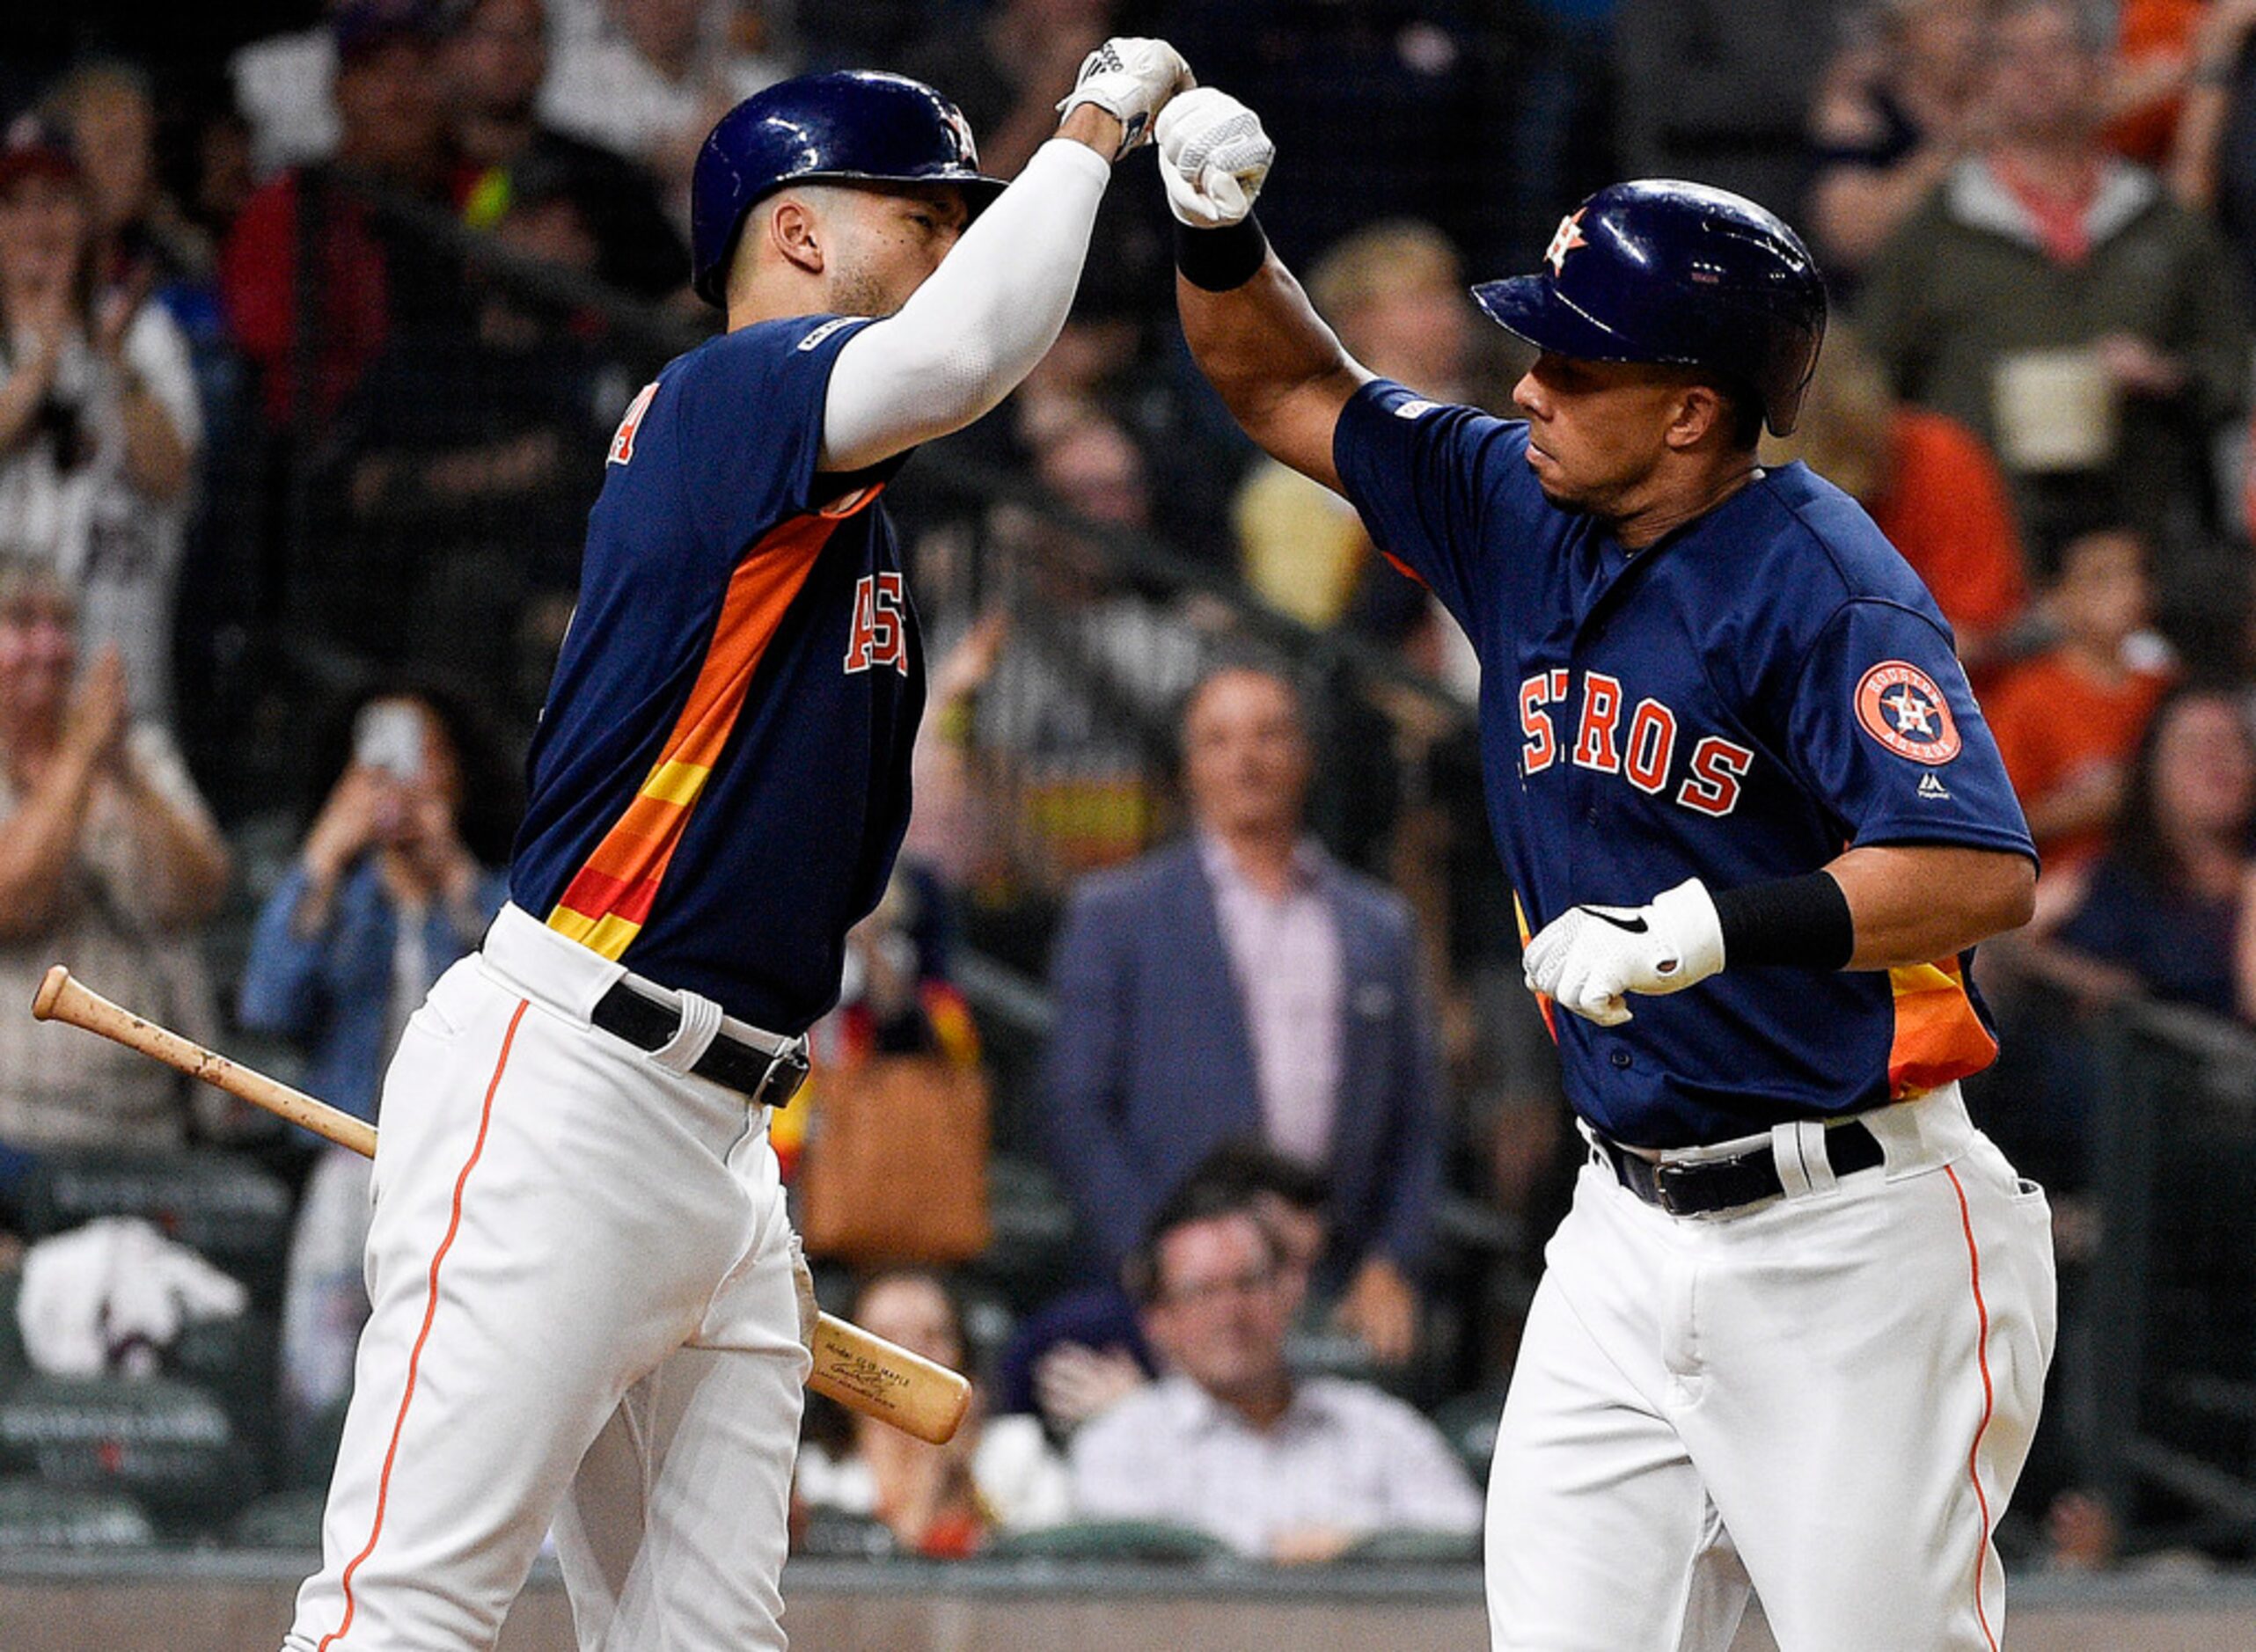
[1557, 488]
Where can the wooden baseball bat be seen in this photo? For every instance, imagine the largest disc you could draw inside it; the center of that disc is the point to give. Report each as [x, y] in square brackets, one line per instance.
[861, 1371]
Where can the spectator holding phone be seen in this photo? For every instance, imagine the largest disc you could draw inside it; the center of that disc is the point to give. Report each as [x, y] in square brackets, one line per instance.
[397, 879]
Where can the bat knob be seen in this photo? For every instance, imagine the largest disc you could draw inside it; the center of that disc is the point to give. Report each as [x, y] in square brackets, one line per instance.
[50, 989]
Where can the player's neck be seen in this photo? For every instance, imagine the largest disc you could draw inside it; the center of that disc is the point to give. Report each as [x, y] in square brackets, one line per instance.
[1679, 500]
[773, 291]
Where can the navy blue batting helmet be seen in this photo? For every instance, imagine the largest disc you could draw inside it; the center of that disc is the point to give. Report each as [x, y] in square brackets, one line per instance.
[1656, 270]
[853, 126]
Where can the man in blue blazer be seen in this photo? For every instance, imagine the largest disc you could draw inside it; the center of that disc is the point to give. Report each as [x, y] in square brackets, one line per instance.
[1243, 984]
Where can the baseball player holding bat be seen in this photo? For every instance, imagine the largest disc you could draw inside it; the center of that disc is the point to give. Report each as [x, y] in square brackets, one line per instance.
[582, 1279]
[1795, 1329]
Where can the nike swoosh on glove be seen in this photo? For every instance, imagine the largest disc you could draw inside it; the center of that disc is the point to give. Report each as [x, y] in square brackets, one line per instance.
[1588, 957]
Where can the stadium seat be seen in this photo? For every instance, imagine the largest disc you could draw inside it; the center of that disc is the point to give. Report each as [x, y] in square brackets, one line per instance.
[1414, 1549]
[36, 1514]
[234, 1361]
[14, 1361]
[1468, 1423]
[834, 1534]
[229, 1210]
[1149, 1541]
[1031, 1257]
[167, 1445]
[282, 1520]
[308, 1459]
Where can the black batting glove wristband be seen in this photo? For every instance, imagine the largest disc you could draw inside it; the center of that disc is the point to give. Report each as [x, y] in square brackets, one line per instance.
[1220, 261]
[1803, 922]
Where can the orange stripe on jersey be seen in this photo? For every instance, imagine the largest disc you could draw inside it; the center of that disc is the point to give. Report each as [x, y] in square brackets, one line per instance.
[1519, 918]
[608, 901]
[1939, 1037]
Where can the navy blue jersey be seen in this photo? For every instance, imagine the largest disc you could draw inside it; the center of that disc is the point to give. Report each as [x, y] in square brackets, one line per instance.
[721, 776]
[1764, 687]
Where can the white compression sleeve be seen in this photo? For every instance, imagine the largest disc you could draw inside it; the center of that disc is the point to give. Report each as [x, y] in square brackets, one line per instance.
[979, 322]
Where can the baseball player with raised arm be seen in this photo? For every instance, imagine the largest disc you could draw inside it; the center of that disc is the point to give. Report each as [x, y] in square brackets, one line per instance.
[588, 1308]
[1794, 1331]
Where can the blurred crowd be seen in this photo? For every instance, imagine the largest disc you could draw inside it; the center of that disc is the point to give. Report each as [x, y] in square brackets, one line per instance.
[314, 324]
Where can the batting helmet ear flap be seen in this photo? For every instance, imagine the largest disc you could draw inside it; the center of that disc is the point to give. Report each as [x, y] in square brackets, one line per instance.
[855, 125]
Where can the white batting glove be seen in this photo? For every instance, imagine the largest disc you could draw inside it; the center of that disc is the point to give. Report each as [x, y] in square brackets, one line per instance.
[1214, 158]
[1587, 957]
[1131, 80]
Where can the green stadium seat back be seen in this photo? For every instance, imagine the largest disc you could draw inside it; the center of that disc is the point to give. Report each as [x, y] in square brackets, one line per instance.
[1414, 1548]
[313, 1454]
[1468, 1423]
[229, 1210]
[15, 1361]
[288, 1519]
[1150, 1541]
[167, 1445]
[835, 1534]
[234, 1360]
[36, 1514]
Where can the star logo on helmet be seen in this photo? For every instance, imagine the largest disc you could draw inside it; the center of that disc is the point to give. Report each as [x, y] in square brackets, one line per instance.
[962, 127]
[1568, 238]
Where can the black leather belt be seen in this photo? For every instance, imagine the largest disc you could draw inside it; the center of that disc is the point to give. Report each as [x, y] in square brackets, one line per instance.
[767, 1077]
[1704, 1187]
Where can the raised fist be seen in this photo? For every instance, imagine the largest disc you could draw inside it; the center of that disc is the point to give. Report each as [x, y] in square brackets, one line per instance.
[1213, 157]
[1131, 80]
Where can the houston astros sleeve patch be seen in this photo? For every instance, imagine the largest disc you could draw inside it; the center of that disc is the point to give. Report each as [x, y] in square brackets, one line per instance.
[1902, 707]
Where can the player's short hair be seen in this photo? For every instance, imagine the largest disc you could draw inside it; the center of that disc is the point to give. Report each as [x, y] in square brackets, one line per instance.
[1198, 1200]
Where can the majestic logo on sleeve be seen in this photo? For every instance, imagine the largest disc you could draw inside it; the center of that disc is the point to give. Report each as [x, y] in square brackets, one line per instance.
[1901, 706]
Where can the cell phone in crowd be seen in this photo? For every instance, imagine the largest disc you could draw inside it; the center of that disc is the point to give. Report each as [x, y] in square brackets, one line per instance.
[388, 737]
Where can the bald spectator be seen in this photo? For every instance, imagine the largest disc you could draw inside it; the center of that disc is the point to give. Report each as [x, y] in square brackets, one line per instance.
[1230, 1442]
[2053, 298]
[1241, 983]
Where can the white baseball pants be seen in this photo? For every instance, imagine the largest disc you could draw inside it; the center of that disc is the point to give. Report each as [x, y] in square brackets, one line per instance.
[1827, 1398]
[582, 1312]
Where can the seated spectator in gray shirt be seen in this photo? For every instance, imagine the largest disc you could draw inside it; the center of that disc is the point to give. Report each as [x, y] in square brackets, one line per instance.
[1230, 1442]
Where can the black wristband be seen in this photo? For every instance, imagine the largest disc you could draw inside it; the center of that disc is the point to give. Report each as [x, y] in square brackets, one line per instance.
[1219, 261]
[1804, 922]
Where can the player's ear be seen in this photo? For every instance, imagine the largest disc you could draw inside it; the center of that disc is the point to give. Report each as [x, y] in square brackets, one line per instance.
[796, 231]
[1696, 411]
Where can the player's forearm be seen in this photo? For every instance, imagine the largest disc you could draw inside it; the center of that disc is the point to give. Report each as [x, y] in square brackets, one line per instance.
[1271, 358]
[977, 326]
[1914, 903]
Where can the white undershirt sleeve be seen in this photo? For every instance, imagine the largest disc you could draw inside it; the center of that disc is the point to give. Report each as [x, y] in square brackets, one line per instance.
[979, 322]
